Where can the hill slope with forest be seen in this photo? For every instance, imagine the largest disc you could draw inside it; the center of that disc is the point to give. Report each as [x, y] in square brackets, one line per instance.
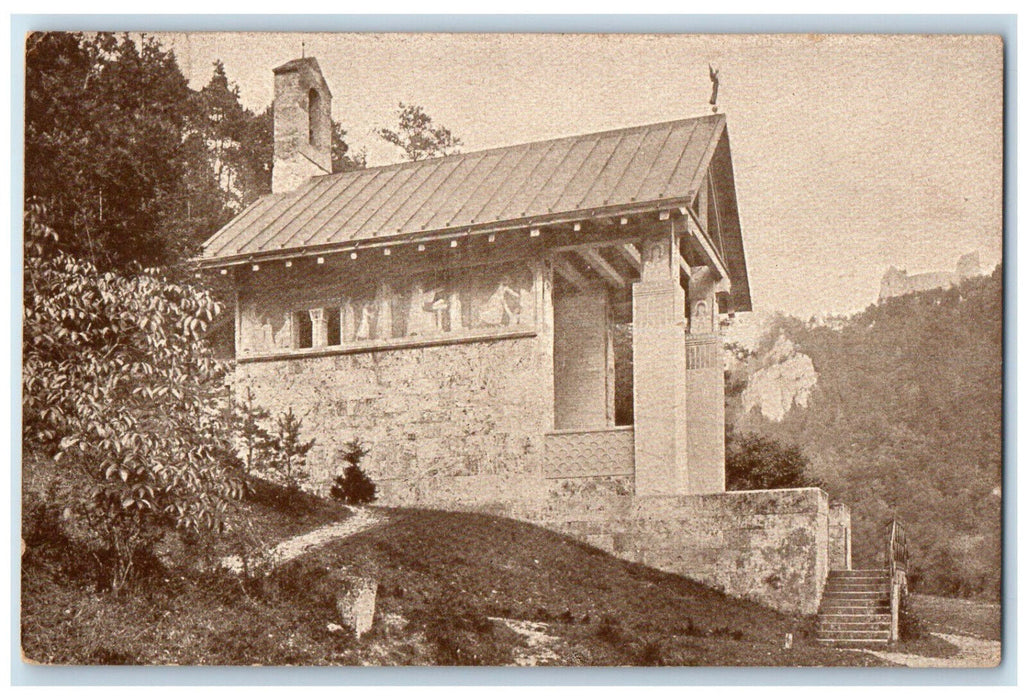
[904, 420]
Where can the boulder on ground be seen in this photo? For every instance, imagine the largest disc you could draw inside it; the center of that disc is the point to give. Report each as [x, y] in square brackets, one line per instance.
[355, 600]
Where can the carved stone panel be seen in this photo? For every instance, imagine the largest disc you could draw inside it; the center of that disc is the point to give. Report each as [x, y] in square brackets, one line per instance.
[589, 453]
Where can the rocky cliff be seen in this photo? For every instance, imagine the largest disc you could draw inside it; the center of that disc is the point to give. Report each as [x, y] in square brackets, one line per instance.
[784, 379]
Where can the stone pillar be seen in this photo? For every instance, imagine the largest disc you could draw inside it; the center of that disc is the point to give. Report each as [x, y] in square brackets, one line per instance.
[705, 382]
[658, 357]
[319, 328]
[581, 388]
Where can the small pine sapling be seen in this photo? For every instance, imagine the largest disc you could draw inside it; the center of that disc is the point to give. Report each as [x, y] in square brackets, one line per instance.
[289, 453]
[354, 487]
[249, 420]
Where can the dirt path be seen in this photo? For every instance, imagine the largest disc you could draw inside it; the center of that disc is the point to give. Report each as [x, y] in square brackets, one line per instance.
[538, 650]
[974, 653]
[287, 550]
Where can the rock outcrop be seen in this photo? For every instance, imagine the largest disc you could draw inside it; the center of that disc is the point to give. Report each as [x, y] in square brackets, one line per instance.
[785, 379]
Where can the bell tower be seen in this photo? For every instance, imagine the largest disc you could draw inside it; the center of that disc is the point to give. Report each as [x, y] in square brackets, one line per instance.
[303, 124]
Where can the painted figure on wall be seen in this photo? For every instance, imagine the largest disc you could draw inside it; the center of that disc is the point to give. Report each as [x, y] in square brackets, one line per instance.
[497, 310]
[270, 332]
[422, 318]
[366, 321]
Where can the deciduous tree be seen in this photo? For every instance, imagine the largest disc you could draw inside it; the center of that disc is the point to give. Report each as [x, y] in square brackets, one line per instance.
[418, 137]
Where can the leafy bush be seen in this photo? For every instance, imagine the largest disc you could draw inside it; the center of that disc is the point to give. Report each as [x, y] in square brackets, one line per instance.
[354, 487]
[755, 462]
[121, 390]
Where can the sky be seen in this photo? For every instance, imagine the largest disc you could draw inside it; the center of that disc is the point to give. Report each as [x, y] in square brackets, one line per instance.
[851, 153]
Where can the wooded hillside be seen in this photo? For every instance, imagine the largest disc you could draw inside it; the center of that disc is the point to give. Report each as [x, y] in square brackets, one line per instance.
[906, 420]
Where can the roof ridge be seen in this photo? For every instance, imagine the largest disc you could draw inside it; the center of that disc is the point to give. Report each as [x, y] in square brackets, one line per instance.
[571, 137]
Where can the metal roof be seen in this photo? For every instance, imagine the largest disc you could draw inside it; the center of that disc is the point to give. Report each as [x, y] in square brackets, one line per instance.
[523, 184]
[643, 167]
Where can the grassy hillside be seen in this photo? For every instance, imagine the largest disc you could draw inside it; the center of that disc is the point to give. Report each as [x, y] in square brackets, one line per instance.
[906, 420]
[447, 582]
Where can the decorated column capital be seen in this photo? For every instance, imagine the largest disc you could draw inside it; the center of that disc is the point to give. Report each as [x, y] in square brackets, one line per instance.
[659, 255]
[319, 329]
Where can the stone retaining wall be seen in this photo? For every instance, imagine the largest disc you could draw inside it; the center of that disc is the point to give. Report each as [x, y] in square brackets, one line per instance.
[771, 547]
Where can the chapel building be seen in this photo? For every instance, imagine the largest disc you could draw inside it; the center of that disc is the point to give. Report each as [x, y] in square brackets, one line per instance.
[532, 330]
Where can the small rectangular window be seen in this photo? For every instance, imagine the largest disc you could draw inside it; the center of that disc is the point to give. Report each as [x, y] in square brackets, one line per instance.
[333, 325]
[303, 332]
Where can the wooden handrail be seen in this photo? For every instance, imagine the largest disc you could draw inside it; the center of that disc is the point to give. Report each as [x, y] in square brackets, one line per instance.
[897, 554]
[897, 550]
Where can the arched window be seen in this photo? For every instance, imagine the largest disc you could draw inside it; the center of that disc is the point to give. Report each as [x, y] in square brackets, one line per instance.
[313, 110]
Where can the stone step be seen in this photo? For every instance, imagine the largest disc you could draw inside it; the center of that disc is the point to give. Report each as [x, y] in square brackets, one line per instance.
[854, 595]
[854, 581]
[864, 617]
[855, 635]
[856, 591]
[839, 594]
[845, 586]
[844, 616]
[853, 643]
[855, 609]
[857, 606]
[856, 626]
[849, 601]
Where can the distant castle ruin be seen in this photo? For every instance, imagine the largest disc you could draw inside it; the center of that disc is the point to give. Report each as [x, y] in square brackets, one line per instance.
[896, 283]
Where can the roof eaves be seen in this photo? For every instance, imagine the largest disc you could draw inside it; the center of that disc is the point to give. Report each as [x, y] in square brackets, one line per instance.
[448, 233]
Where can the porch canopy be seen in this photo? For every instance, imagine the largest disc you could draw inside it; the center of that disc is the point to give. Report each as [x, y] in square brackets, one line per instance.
[568, 190]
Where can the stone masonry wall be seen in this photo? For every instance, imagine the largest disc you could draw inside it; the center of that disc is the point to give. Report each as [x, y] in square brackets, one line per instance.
[457, 425]
[768, 546]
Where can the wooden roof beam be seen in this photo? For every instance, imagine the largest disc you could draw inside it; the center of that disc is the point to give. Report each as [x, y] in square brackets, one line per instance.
[695, 231]
[684, 267]
[566, 270]
[598, 243]
[629, 252]
[603, 268]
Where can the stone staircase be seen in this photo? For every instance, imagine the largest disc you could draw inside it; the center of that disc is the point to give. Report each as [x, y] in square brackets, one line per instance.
[855, 609]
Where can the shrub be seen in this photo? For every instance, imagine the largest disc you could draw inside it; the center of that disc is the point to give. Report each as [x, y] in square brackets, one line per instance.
[462, 636]
[755, 462]
[651, 653]
[911, 627]
[609, 630]
[354, 486]
[121, 391]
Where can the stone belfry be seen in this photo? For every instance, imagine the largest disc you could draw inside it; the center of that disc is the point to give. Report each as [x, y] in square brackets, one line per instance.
[303, 124]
